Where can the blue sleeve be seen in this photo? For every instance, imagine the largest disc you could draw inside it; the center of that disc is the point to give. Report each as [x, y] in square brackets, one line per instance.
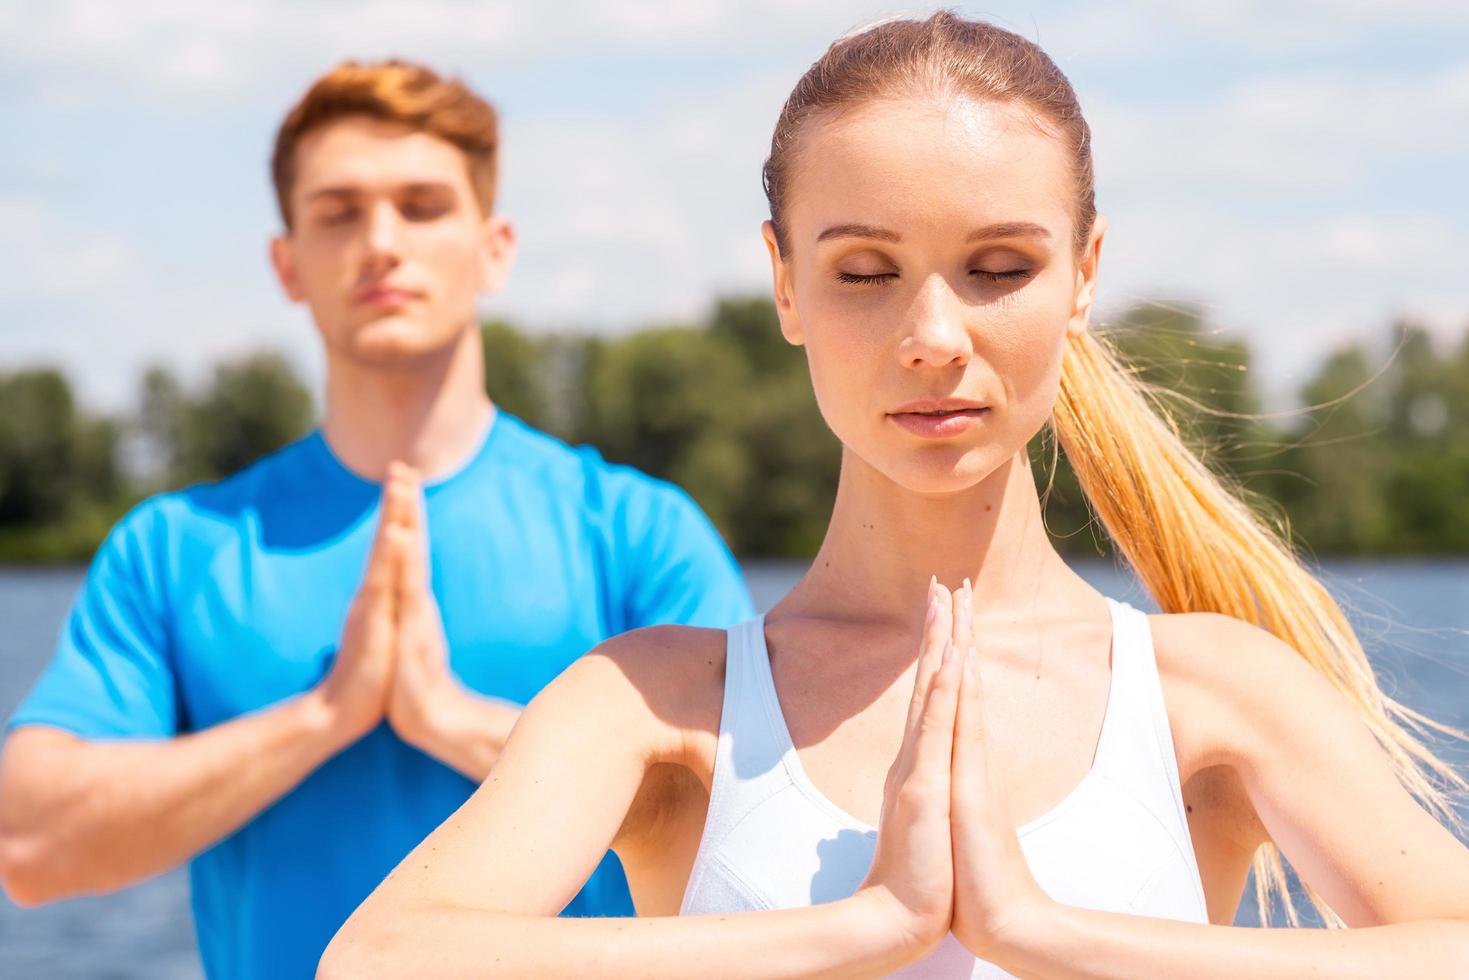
[677, 568]
[111, 676]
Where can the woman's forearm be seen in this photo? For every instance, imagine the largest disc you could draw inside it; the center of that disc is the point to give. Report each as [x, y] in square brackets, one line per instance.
[853, 937]
[1083, 944]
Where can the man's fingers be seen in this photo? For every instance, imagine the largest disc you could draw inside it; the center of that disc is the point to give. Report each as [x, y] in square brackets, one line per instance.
[403, 505]
[416, 573]
[391, 510]
[382, 562]
[411, 504]
[399, 490]
[400, 509]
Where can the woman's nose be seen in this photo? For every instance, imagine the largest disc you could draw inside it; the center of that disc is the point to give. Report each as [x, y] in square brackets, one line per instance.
[935, 331]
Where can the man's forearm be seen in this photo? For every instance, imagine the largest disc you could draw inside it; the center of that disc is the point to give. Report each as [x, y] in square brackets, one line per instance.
[467, 732]
[79, 816]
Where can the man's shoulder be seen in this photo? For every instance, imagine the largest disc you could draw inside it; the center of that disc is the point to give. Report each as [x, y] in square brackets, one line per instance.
[208, 507]
[583, 470]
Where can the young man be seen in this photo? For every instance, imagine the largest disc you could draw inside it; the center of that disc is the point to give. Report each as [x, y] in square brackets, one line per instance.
[291, 676]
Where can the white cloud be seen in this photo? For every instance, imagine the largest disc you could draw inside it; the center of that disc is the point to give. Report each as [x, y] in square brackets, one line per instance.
[92, 301]
[623, 221]
[1259, 197]
[1293, 289]
[184, 50]
[190, 52]
[1317, 134]
[44, 255]
[1272, 25]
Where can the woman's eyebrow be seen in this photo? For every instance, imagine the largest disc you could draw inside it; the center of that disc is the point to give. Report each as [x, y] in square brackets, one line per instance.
[859, 231]
[1009, 229]
[1001, 229]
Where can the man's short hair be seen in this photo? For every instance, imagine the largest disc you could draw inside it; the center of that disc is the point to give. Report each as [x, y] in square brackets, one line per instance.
[396, 91]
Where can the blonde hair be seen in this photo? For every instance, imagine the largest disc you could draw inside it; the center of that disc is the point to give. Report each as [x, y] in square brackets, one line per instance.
[1187, 532]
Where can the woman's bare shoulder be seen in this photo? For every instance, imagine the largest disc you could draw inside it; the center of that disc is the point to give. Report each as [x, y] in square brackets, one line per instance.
[1234, 682]
[658, 685]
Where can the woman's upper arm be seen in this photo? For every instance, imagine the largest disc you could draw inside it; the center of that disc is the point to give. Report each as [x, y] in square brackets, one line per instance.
[530, 835]
[1323, 786]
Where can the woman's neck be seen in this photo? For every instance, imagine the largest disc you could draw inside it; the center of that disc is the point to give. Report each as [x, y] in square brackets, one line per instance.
[884, 542]
[431, 415]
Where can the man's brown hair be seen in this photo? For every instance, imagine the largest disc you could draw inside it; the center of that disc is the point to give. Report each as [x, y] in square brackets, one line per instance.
[396, 91]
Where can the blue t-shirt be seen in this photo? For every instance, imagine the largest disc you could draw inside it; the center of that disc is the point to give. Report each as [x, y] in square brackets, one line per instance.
[225, 598]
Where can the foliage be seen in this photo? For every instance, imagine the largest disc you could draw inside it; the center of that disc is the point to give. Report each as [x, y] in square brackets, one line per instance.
[253, 406]
[1377, 462]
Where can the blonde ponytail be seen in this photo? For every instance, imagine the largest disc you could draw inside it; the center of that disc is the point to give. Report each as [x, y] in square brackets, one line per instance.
[1198, 547]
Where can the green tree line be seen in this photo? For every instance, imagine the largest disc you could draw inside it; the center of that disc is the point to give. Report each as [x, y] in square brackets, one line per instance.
[1376, 463]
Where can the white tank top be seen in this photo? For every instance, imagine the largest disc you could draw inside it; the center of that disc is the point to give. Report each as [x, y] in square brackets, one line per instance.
[1119, 841]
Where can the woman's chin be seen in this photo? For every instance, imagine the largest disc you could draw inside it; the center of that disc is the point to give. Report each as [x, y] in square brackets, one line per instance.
[940, 471]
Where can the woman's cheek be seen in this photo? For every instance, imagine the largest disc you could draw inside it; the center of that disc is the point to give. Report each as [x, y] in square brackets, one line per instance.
[1033, 383]
[826, 381]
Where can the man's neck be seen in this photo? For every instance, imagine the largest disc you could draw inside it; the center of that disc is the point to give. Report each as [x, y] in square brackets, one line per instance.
[432, 416]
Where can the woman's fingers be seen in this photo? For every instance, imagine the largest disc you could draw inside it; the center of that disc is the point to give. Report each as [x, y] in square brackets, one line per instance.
[972, 779]
[933, 741]
[937, 627]
[964, 616]
[971, 748]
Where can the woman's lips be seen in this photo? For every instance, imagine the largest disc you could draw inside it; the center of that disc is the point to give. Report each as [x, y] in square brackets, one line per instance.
[939, 424]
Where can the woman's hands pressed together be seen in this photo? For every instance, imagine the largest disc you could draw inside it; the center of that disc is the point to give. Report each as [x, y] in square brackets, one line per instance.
[947, 853]
[995, 895]
[912, 870]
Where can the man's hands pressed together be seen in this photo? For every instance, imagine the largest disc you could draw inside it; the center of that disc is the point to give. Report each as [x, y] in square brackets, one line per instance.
[393, 662]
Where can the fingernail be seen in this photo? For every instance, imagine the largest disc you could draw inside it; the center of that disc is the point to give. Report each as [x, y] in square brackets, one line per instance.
[933, 610]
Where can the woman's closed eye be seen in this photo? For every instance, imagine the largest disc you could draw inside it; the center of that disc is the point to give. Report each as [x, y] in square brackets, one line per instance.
[1005, 276]
[854, 277]
[1008, 275]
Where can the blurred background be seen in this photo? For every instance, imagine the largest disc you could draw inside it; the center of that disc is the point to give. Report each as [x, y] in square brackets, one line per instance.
[1285, 261]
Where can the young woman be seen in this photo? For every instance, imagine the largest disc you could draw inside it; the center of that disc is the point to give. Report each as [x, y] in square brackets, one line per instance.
[1073, 788]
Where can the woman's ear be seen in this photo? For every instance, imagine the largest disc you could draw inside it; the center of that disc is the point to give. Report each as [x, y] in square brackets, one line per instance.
[1086, 279]
[784, 289]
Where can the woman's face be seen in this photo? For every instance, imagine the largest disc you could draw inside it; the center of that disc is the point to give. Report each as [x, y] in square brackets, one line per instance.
[931, 276]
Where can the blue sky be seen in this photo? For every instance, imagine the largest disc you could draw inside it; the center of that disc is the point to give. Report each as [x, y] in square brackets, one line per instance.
[1296, 168]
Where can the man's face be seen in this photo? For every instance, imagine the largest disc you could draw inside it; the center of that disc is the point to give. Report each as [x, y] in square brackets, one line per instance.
[389, 248]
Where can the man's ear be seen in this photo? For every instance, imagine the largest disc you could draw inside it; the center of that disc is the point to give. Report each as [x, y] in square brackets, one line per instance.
[783, 288]
[283, 260]
[497, 253]
[1086, 279]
